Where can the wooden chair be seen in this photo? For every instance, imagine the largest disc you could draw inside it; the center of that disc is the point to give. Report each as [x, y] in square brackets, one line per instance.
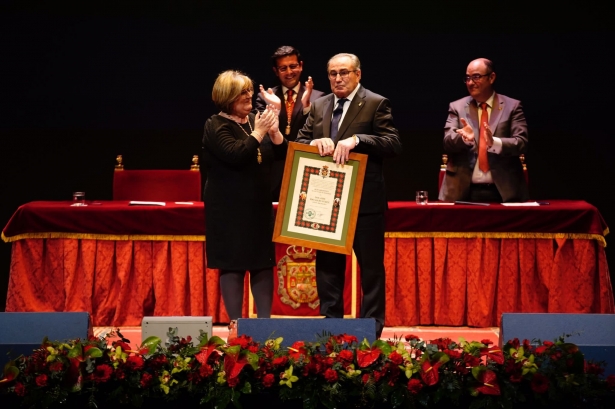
[157, 185]
[445, 161]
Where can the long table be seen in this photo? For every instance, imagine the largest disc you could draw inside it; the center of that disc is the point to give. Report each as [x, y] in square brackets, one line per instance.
[445, 265]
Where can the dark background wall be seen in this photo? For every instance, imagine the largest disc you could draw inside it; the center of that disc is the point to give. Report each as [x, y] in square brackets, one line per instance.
[82, 82]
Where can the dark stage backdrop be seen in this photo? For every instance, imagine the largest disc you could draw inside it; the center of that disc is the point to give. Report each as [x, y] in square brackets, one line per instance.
[81, 83]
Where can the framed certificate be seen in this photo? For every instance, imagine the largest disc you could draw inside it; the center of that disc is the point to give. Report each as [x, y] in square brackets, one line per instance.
[319, 200]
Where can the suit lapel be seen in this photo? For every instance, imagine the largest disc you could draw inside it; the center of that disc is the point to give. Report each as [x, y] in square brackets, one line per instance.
[496, 112]
[357, 104]
[472, 115]
[283, 117]
[298, 106]
[326, 119]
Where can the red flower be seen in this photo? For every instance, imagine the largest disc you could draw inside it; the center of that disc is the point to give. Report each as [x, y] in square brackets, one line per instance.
[123, 345]
[346, 356]
[55, 366]
[146, 379]
[331, 375]
[610, 382]
[514, 343]
[592, 368]
[253, 349]
[411, 337]
[281, 361]
[41, 380]
[396, 358]
[205, 371]
[414, 386]
[20, 389]
[540, 383]
[442, 343]
[268, 380]
[297, 350]
[489, 382]
[429, 373]
[242, 341]
[486, 341]
[120, 374]
[134, 362]
[454, 354]
[232, 382]
[367, 357]
[102, 373]
[493, 353]
[365, 378]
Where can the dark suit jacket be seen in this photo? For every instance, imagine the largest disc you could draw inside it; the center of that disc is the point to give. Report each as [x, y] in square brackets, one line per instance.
[369, 117]
[296, 123]
[507, 122]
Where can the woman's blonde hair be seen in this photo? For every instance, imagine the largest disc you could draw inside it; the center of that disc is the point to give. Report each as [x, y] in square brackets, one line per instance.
[228, 87]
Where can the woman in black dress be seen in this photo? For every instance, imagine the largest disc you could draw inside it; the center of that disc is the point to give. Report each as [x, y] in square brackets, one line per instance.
[239, 148]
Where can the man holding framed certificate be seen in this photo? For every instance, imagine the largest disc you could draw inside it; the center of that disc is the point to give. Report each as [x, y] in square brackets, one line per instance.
[355, 119]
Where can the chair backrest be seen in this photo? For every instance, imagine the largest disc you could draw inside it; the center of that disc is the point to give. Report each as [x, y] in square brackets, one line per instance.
[445, 161]
[157, 185]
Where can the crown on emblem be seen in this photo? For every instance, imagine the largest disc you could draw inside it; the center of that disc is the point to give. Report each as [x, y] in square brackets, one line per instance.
[300, 252]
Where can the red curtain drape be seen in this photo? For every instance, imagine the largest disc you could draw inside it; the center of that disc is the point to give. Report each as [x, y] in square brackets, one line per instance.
[454, 281]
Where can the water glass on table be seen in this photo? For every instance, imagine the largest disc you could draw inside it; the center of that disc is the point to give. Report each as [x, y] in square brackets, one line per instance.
[421, 197]
[79, 199]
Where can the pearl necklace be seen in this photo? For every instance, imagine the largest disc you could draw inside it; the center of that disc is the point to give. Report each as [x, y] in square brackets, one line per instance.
[259, 157]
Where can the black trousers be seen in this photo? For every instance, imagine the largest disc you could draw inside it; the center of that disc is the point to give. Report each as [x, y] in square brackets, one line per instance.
[368, 246]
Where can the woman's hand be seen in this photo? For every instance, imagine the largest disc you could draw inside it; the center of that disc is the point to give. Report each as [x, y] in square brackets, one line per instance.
[263, 122]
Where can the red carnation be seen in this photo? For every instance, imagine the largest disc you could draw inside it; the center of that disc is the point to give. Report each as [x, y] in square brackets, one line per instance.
[346, 355]
[396, 358]
[411, 337]
[486, 341]
[134, 362]
[414, 386]
[146, 379]
[540, 383]
[55, 366]
[102, 373]
[281, 361]
[268, 380]
[243, 341]
[41, 380]
[331, 375]
[20, 389]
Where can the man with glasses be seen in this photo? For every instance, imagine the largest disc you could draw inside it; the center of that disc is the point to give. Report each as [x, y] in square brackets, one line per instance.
[353, 118]
[484, 135]
[295, 99]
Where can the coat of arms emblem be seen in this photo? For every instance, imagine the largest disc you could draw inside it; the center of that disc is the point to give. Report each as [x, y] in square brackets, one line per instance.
[297, 278]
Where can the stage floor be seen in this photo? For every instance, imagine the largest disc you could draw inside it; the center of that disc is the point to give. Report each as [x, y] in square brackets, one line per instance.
[424, 332]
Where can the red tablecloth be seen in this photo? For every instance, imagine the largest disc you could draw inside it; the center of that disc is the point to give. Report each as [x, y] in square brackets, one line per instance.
[445, 265]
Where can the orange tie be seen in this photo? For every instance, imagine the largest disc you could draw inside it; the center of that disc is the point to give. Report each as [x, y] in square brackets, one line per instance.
[290, 104]
[483, 162]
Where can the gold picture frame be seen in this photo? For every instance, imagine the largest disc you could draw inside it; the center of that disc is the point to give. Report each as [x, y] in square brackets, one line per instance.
[319, 200]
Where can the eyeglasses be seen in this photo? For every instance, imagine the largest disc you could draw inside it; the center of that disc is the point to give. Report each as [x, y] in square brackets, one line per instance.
[343, 73]
[285, 68]
[475, 77]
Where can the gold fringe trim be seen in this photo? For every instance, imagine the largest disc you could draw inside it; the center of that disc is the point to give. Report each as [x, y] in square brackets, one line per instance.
[494, 235]
[115, 237]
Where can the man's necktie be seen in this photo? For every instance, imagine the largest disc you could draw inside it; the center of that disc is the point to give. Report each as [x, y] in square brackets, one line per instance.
[337, 115]
[290, 104]
[483, 161]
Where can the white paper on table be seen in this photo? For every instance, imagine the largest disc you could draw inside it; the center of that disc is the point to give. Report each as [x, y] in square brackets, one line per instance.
[521, 204]
[184, 203]
[441, 203]
[144, 203]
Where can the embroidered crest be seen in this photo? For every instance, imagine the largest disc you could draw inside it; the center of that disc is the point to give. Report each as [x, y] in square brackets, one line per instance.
[297, 278]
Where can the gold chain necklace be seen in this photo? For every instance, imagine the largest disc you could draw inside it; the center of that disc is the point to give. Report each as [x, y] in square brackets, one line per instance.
[259, 157]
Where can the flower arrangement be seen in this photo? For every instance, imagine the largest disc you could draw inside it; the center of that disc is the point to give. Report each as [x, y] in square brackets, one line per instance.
[336, 372]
